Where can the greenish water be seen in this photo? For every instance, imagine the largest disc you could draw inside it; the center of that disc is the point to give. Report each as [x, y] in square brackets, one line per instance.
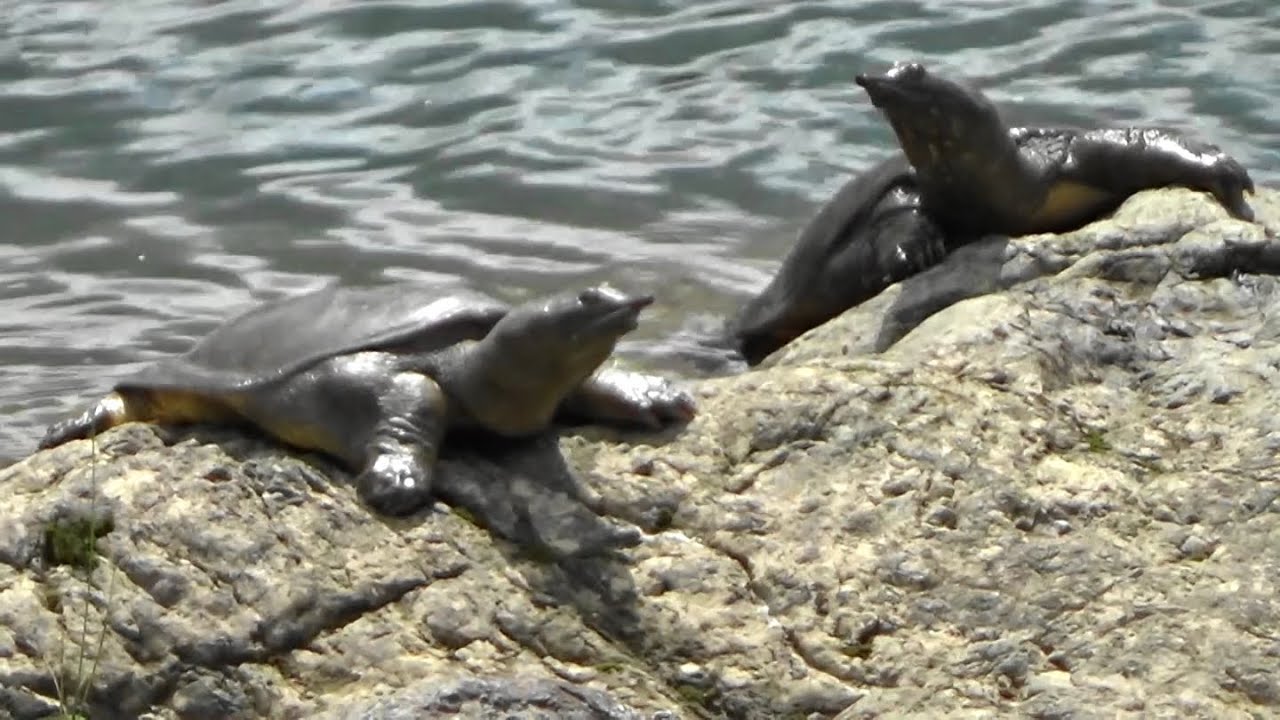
[164, 163]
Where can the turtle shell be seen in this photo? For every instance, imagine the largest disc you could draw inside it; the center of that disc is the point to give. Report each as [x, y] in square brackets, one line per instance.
[278, 339]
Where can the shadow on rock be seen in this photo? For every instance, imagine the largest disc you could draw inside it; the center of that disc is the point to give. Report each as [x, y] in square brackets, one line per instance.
[520, 491]
[524, 697]
[525, 493]
[970, 271]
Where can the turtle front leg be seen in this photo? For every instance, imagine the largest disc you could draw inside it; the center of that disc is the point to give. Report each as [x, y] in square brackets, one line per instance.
[383, 424]
[614, 396]
[404, 445]
[1127, 160]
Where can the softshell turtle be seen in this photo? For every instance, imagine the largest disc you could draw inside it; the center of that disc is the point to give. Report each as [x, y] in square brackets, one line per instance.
[375, 376]
[963, 174]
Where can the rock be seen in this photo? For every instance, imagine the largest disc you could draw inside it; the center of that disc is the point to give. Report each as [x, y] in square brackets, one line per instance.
[472, 697]
[1038, 480]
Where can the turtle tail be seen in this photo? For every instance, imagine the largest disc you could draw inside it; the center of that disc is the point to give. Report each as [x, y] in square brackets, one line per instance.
[108, 412]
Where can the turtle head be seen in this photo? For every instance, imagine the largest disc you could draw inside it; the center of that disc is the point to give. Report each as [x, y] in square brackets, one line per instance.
[542, 350]
[592, 319]
[910, 89]
[937, 120]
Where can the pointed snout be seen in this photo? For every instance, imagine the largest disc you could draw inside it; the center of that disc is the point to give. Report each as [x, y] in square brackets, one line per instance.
[640, 302]
[897, 82]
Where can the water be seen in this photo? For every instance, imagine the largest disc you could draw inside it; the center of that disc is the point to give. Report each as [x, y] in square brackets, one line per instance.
[164, 166]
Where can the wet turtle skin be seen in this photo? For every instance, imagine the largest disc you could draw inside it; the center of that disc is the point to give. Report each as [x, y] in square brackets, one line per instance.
[962, 174]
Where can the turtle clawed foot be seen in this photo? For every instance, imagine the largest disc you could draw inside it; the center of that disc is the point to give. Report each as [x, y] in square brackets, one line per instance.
[659, 404]
[395, 485]
[1229, 181]
[619, 397]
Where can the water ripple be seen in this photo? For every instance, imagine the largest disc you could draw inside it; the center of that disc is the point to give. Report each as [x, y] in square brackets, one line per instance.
[162, 168]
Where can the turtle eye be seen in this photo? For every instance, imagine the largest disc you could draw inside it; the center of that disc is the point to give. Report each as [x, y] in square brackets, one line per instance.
[590, 296]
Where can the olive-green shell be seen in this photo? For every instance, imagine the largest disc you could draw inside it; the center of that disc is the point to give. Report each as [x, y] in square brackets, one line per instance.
[275, 340]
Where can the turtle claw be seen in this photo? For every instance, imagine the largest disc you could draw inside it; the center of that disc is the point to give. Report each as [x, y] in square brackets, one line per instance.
[395, 485]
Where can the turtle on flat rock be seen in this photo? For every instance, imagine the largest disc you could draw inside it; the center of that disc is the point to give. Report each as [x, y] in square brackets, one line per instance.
[963, 174]
[376, 376]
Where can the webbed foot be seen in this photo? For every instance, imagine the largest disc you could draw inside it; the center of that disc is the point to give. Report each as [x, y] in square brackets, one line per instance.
[657, 402]
[619, 396]
[402, 454]
[395, 484]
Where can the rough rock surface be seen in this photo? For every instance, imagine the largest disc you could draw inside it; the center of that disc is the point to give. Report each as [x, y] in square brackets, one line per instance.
[1055, 498]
